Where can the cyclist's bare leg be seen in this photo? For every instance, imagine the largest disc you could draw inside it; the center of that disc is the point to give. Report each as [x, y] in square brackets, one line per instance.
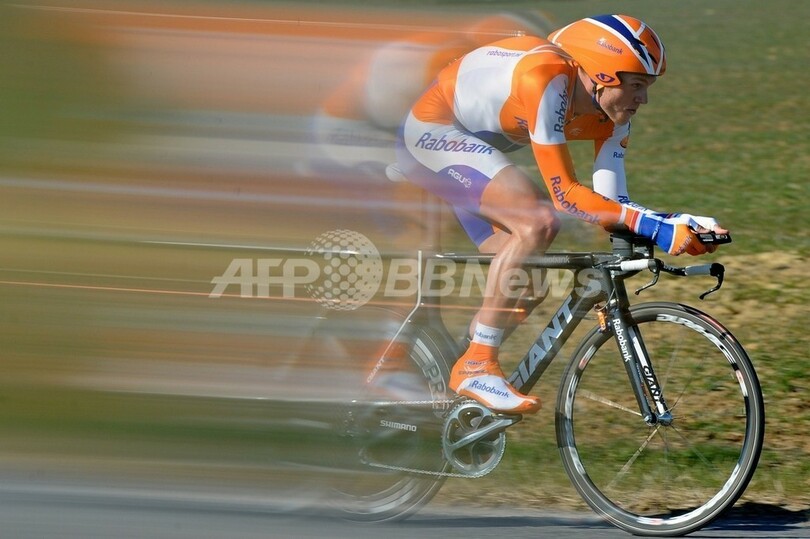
[516, 203]
[527, 299]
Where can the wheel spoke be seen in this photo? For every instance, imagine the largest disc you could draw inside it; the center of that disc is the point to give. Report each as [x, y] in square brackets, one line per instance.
[681, 394]
[602, 400]
[670, 366]
[629, 464]
[693, 448]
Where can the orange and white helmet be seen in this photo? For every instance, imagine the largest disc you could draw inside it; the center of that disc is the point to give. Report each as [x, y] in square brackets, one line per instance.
[607, 45]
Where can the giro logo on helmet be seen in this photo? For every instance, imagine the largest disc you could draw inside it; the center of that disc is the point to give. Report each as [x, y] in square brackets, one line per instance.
[604, 77]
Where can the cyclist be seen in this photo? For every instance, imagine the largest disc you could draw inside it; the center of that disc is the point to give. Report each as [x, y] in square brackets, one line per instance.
[585, 82]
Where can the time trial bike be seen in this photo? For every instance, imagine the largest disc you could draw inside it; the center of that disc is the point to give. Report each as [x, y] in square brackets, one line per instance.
[659, 414]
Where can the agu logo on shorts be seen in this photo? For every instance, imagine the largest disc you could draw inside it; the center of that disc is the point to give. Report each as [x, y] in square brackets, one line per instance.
[351, 269]
[459, 177]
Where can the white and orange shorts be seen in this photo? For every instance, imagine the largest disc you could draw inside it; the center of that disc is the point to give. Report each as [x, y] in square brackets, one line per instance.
[454, 165]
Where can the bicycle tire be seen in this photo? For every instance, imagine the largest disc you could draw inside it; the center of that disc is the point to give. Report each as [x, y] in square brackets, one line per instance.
[377, 494]
[662, 480]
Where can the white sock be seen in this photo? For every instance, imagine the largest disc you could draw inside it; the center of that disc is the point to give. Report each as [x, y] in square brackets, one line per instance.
[487, 335]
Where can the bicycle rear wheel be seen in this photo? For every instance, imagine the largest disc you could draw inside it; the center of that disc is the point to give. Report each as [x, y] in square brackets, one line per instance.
[397, 440]
[663, 480]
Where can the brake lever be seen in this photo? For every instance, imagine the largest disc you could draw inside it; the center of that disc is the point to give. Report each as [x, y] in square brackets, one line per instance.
[715, 270]
[656, 271]
[719, 271]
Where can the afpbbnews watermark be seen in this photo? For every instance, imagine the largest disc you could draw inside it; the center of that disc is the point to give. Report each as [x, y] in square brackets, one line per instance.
[343, 270]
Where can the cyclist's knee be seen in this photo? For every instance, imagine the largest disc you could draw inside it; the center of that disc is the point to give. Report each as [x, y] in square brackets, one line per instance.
[539, 228]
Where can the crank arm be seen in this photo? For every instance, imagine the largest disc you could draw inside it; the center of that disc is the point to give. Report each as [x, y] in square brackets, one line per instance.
[496, 427]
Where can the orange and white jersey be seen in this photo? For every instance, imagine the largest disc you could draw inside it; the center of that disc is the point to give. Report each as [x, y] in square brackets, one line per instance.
[509, 94]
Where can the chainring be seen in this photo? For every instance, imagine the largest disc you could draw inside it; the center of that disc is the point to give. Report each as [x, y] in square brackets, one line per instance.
[474, 438]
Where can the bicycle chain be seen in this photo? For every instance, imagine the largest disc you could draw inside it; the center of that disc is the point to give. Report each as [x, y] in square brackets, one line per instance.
[431, 401]
[426, 472]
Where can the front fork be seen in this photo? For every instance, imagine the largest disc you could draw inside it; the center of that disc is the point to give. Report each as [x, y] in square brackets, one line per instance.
[616, 319]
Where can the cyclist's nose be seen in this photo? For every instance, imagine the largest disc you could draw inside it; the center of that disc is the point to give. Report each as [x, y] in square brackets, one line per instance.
[641, 97]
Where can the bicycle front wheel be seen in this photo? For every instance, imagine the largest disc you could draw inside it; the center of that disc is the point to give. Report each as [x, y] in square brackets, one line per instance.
[663, 480]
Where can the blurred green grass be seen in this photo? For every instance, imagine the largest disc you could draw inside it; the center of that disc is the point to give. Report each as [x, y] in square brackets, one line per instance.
[726, 133]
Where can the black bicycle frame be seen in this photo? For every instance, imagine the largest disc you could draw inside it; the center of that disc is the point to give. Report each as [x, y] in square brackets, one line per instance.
[593, 284]
[551, 339]
[597, 285]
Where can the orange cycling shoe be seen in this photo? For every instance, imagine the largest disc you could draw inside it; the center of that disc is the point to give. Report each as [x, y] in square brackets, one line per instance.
[479, 377]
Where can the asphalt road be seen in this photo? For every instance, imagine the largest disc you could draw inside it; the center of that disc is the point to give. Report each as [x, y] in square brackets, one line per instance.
[30, 509]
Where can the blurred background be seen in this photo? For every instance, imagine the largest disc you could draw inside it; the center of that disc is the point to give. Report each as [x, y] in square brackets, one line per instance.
[145, 146]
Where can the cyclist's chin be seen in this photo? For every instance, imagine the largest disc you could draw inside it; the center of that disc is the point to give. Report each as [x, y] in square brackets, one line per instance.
[620, 117]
